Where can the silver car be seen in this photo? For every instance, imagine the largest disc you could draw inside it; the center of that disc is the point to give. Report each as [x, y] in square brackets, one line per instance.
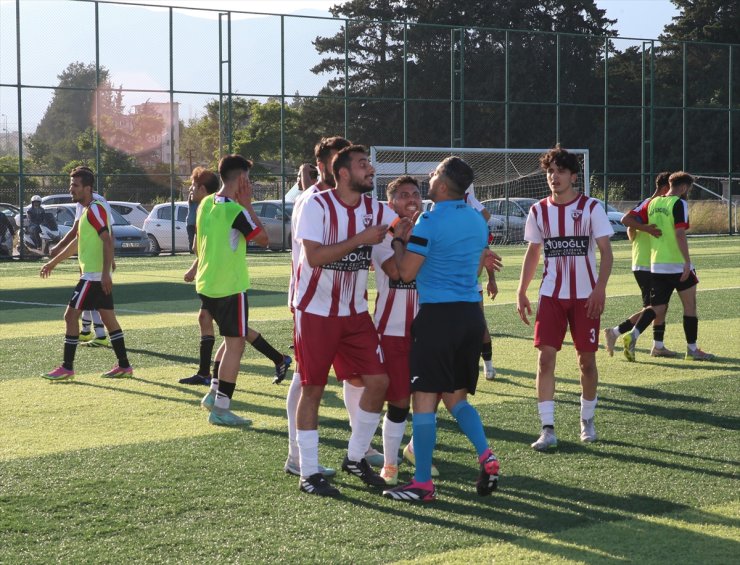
[159, 225]
[276, 221]
[514, 212]
[134, 212]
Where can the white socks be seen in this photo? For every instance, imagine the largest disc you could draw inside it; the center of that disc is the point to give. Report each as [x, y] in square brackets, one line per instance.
[588, 407]
[363, 429]
[547, 412]
[352, 395]
[222, 401]
[291, 407]
[392, 437]
[308, 445]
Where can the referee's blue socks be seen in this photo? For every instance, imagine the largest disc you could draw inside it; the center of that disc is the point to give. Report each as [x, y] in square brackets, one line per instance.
[470, 423]
[425, 436]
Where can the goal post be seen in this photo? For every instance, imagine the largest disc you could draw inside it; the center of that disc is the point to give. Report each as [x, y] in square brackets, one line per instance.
[499, 173]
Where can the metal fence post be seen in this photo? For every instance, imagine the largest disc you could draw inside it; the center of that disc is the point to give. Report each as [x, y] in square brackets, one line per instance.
[729, 141]
[282, 123]
[20, 124]
[606, 121]
[172, 131]
[97, 99]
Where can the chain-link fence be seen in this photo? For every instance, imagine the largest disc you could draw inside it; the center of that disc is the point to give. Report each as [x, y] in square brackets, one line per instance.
[144, 94]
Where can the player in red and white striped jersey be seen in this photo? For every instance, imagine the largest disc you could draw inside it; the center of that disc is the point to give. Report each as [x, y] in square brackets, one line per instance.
[337, 229]
[324, 151]
[396, 307]
[566, 227]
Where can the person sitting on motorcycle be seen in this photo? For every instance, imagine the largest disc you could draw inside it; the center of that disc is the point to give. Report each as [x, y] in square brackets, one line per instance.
[35, 216]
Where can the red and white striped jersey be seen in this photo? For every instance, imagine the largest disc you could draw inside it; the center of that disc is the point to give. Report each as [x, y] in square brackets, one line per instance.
[470, 199]
[338, 288]
[568, 233]
[295, 247]
[397, 302]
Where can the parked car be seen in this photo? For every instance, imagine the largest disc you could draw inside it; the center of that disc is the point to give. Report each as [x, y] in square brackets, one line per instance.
[518, 209]
[127, 239]
[11, 211]
[270, 213]
[615, 219]
[514, 211]
[134, 212]
[63, 198]
[158, 227]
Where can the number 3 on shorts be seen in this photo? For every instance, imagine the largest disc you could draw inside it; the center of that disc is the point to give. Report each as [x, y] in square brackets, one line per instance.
[592, 339]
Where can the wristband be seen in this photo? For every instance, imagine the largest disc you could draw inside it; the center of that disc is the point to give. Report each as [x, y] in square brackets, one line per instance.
[395, 239]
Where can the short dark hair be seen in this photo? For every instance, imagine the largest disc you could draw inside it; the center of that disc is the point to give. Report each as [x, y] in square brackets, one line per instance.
[326, 145]
[662, 180]
[390, 191]
[207, 178]
[85, 174]
[230, 164]
[680, 177]
[561, 158]
[344, 158]
[459, 174]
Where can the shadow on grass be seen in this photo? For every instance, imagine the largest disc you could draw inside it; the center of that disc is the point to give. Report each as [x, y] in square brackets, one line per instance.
[154, 297]
[521, 502]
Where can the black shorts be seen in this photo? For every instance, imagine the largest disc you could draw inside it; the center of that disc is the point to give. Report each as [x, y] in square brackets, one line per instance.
[231, 313]
[89, 295]
[664, 285]
[645, 282]
[446, 343]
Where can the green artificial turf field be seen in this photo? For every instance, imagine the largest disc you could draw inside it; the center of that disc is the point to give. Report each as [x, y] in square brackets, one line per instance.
[118, 471]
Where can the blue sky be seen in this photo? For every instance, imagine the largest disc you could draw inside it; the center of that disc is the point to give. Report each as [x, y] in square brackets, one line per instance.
[134, 47]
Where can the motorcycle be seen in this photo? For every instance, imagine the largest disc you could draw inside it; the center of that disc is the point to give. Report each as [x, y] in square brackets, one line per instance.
[48, 235]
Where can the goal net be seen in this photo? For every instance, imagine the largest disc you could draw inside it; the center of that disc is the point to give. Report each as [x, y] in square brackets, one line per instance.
[499, 173]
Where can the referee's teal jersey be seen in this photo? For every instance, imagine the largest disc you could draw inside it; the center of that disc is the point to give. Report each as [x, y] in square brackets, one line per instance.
[451, 238]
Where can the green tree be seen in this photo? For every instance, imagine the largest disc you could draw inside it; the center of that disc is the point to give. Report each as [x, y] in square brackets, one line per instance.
[9, 179]
[375, 67]
[704, 25]
[70, 113]
[256, 134]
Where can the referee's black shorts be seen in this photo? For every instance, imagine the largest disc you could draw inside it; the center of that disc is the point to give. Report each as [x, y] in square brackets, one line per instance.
[446, 343]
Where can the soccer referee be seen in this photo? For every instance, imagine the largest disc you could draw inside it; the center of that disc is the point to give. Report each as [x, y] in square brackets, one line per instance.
[443, 255]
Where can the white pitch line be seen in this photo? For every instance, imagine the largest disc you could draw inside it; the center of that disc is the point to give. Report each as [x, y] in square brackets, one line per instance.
[627, 295]
[128, 311]
[22, 303]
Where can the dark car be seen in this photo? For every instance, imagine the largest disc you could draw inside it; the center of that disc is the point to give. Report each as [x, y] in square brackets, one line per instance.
[11, 211]
[127, 239]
